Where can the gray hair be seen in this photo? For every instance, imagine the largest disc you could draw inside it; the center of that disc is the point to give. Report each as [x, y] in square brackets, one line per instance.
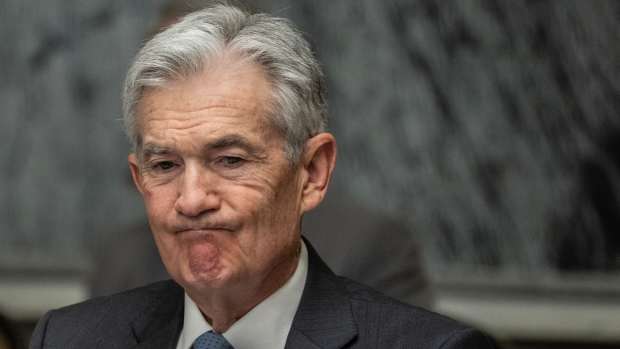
[298, 90]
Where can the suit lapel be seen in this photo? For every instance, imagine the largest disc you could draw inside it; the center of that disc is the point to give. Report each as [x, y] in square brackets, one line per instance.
[165, 338]
[297, 340]
[324, 318]
[161, 324]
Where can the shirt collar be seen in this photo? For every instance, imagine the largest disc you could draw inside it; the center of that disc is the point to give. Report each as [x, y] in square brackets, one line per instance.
[266, 326]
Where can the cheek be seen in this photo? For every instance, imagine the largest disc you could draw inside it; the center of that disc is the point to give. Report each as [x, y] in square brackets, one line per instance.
[248, 197]
[252, 206]
[274, 215]
[159, 202]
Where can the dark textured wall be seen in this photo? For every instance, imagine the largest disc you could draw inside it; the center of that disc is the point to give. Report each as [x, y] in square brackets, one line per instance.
[490, 127]
[63, 155]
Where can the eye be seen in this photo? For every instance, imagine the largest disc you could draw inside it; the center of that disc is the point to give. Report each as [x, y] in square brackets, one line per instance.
[231, 161]
[164, 165]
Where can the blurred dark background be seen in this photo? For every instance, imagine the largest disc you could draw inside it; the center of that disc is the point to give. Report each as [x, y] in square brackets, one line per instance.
[491, 129]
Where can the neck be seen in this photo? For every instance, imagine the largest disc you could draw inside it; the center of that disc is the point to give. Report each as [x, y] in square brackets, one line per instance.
[222, 308]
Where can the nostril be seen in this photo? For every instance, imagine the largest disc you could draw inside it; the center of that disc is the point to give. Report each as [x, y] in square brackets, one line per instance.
[197, 203]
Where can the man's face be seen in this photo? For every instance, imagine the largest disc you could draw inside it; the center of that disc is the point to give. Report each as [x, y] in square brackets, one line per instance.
[223, 201]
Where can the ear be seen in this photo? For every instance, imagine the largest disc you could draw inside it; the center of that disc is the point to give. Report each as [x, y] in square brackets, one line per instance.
[318, 162]
[134, 167]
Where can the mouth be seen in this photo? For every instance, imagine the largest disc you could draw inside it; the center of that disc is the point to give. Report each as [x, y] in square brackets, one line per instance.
[203, 230]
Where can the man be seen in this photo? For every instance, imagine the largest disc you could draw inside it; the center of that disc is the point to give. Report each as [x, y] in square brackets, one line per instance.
[352, 238]
[226, 112]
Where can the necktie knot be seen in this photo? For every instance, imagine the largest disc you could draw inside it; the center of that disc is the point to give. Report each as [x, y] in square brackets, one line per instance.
[211, 340]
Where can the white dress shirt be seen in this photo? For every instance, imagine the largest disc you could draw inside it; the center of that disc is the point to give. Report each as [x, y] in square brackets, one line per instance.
[266, 326]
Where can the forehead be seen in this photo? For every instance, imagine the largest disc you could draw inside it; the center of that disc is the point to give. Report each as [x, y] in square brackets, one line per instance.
[229, 92]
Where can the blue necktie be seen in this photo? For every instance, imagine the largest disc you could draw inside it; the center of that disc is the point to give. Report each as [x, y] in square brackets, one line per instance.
[211, 340]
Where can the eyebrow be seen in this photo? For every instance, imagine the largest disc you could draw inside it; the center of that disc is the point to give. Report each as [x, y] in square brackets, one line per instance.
[150, 149]
[230, 141]
[227, 141]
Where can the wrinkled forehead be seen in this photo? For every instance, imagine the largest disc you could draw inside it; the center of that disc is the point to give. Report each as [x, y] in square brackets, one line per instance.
[227, 85]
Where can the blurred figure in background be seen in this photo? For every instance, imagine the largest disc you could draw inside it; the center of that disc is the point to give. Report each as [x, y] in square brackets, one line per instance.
[355, 241]
[9, 338]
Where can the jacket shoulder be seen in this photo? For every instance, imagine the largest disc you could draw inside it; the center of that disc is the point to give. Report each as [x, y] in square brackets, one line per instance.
[127, 304]
[100, 317]
[385, 322]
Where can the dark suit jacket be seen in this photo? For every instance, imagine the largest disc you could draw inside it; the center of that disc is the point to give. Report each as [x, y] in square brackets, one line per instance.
[334, 312]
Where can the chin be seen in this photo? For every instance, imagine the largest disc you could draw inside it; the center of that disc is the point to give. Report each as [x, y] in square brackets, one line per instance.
[205, 283]
[201, 275]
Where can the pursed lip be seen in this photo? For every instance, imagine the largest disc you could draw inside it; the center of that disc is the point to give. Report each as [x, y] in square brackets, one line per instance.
[201, 230]
[205, 229]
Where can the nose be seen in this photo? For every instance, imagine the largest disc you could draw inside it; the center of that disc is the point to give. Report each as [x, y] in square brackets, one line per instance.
[197, 192]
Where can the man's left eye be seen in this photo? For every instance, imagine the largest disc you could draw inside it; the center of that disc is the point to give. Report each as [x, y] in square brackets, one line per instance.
[231, 161]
